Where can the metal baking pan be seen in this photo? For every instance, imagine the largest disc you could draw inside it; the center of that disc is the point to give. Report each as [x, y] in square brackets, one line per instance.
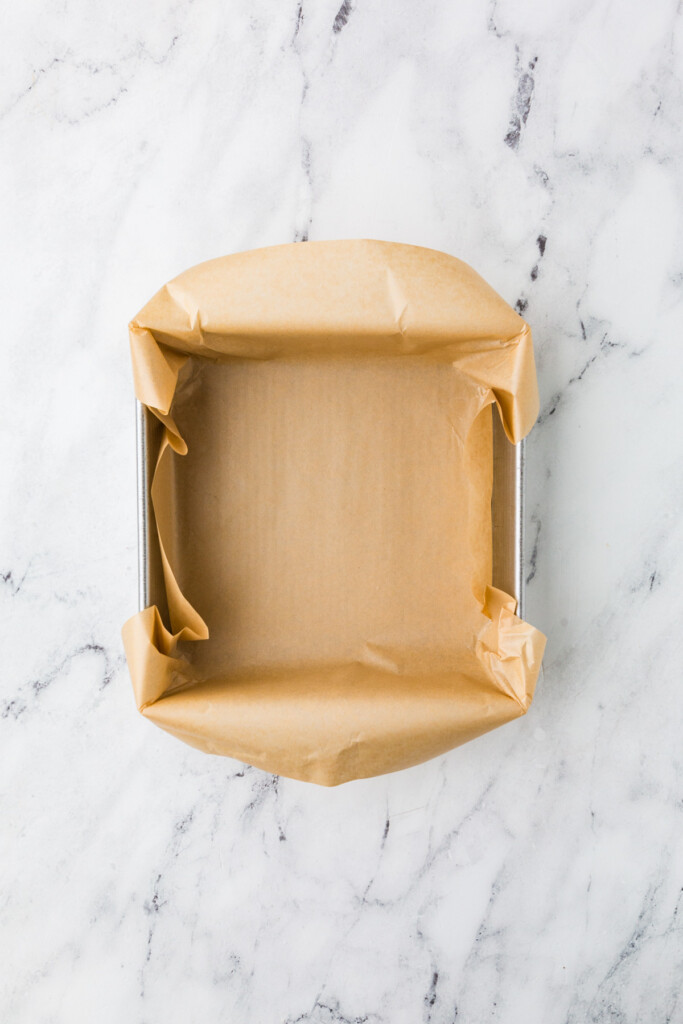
[507, 509]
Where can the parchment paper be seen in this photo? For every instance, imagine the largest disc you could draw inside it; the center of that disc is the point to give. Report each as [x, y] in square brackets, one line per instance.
[322, 500]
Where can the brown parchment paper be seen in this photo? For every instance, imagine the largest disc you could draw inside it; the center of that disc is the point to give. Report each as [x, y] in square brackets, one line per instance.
[322, 499]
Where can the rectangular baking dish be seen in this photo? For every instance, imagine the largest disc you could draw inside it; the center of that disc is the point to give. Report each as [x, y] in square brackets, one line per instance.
[507, 513]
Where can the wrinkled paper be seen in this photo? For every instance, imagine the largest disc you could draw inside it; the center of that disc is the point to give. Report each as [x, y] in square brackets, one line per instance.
[321, 507]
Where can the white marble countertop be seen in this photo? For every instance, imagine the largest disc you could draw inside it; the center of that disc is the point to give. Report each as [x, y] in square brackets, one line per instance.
[532, 876]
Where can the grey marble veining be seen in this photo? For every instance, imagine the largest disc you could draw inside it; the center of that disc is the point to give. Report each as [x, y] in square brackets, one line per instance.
[534, 875]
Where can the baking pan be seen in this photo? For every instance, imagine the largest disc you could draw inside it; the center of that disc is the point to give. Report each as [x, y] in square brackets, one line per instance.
[360, 582]
[507, 514]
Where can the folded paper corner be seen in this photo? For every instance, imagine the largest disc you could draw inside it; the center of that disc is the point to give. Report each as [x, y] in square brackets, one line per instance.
[510, 649]
[150, 652]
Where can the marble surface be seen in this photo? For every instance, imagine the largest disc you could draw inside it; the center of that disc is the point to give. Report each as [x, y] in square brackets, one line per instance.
[533, 875]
